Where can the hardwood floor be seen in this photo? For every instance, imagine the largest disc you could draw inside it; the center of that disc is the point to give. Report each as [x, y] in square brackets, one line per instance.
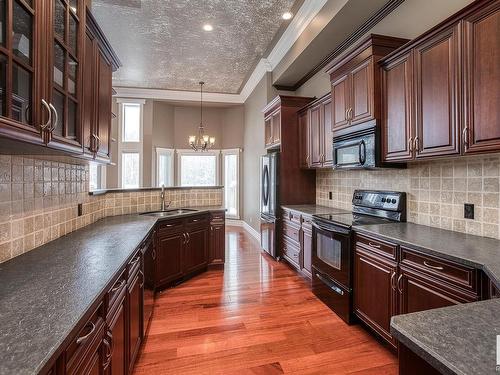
[256, 317]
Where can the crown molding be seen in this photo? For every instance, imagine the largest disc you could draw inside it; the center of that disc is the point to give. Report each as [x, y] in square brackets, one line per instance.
[304, 16]
[177, 95]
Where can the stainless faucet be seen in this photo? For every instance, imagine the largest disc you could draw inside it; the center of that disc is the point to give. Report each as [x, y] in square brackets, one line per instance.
[162, 197]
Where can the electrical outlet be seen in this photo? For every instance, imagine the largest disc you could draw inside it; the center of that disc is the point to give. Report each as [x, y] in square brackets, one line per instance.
[468, 211]
[80, 209]
[330, 195]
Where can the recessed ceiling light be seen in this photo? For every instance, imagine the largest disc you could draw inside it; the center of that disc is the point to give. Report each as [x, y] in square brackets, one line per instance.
[287, 15]
[208, 27]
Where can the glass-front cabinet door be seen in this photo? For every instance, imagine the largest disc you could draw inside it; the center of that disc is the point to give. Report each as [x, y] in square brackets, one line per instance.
[20, 104]
[65, 57]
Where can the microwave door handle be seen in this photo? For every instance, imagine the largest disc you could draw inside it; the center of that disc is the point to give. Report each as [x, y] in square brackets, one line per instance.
[362, 152]
[330, 229]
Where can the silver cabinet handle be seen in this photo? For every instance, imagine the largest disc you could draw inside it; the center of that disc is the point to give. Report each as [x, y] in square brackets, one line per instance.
[416, 144]
[185, 238]
[439, 268]
[350, 113]
[374, 245]
[188, 237]
[153, 254]
[410, 144]
[46, 106]
[96, 137]
[122, 283]
[400, 288]
[347, 114]
[82, 339]
[393, 276]
[56, 118]
[465, 134]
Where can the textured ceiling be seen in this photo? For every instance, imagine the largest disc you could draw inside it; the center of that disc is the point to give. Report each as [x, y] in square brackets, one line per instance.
[161, 43]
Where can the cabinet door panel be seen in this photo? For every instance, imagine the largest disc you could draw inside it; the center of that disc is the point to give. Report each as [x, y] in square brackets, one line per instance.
[316, 138]
[196, 250]
[169, 258]
[217, 243]
[437, 79]
[307, 252]
[340, 100]
[88, 113]
[268, 131]
[419, 294]
[375, 296]
[117, 336]
[327, 134]
[276, 128]
[104, 95]
[304, 139]
[397, 122]
[135, 301]
[362, 93]
[482, 80]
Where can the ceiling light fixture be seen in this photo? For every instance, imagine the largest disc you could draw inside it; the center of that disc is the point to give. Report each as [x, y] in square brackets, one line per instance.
[287, 15]
[201, 141]
[208, 27]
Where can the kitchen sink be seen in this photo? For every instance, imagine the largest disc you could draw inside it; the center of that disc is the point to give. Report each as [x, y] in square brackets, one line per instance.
[166, 213]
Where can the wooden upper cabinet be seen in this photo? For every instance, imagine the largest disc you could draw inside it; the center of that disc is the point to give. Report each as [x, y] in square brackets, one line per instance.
[104, 113]
[276, 127]
[22, 114]
[273, 129]
[481, 33]
[304, 139]
[397, 123]
[437, 80]
[316, 136]
[268, 131]
[340, 99]
[327, 133]
[361, 103]
[65, 58]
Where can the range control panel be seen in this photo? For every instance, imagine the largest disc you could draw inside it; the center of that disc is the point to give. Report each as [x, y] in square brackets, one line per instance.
[387, 200]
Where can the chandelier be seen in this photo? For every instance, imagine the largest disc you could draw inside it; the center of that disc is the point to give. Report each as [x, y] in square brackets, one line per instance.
[201, 141]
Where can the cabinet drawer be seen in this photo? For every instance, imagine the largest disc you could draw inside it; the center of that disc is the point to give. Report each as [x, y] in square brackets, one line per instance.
[134, 265]
[291, 252]
[81, 344]
[197, 221]
[307, 222]
[450, 272]
[218, 216]
[291, 216]
[292, 232]
[380, 247]
[170, 226]
[115, 291]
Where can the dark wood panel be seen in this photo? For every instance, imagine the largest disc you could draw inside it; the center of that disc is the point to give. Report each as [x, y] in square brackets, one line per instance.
[135, 318]
[362, 97]
[196, 250]
[375, 294]
[169, 253]
[304, 139]
[437, 82]
[340, 100]
[307, 251]
[104, 95]
[482, 80]
[316, 139]
[412, 364]
[397, 119]
[327, 133]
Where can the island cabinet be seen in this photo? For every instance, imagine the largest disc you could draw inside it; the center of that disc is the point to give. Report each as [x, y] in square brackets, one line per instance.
[391, 280]
[440, 90]
[315, 129]
[44, 67]
[217, 249]
[355, 80]
[184, 248]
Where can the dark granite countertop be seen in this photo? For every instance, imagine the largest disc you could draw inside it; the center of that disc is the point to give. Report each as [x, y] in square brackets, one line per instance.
[458, 339]
[466, 249]
[313, 209]
[46, 292]
[455, 340]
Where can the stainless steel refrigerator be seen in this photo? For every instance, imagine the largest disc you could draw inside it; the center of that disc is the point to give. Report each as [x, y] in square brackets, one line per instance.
[269, 202]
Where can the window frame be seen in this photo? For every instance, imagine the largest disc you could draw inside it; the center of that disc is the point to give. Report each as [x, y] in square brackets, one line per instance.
[187, 152]
[164, 151]
[130, 147]
[237, 152]
[101, 176]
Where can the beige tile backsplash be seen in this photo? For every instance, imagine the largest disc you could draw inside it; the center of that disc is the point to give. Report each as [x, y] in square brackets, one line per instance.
[436, 191]
[39, 199]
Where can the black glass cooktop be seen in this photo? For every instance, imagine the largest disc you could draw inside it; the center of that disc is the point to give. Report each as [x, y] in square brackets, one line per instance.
[351, 219]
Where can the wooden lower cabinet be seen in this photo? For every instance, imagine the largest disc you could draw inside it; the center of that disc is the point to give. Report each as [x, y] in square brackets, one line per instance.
[217, 248]
[168, 266]
[307, 251]
[116, 336]
[196, 249]
[375, 294]
[135, 305]
[389, 280]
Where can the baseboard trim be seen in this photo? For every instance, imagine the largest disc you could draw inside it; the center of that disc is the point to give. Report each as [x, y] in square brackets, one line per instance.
[244, 225]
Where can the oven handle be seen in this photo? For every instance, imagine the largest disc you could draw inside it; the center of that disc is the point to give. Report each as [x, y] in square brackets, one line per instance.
[331, 229]
[330, 284]
[362, 154]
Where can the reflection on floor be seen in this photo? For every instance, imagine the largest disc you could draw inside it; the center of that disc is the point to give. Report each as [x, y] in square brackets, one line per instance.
[256, 317]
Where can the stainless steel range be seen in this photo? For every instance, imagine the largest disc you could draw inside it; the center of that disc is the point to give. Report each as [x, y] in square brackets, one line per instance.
[332, 253]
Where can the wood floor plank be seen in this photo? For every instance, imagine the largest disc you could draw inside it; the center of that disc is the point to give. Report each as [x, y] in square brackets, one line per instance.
[256, 317]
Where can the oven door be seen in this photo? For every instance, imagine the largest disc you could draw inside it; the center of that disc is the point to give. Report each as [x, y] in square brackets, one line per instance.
[331, 252]
[355, 152]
